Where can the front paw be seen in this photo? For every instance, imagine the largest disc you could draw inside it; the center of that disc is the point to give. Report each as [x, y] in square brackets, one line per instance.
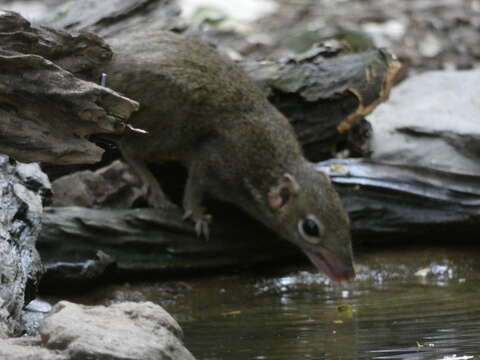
[202, 222]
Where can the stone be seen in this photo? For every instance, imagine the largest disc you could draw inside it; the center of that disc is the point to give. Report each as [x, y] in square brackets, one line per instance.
[127, 330]
[431, 121]
[26, 349]
[20, 222]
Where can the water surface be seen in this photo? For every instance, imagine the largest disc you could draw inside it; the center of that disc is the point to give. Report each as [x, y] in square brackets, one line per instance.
[406, 303]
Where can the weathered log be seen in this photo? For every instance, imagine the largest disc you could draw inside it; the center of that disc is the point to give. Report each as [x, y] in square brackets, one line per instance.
[324, 95]
[148, 241]
[21, 186]
[407, 202]
[78, 54]
[47, 111]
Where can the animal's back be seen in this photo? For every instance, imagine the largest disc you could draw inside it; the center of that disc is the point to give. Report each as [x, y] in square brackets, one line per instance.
[206, 113]
[201, 92]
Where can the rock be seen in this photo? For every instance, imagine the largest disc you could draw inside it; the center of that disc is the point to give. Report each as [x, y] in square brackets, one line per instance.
[431, 121]
[21, 210]
[26, 349]
[113, 186]
[128, 330]
[122, 331]
[33, 316]
[35, 179]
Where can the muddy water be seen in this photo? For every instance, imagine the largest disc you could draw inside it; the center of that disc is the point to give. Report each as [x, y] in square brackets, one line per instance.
[409, 303]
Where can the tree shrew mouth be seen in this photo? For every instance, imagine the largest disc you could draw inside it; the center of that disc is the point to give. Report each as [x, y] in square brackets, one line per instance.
[331, 265]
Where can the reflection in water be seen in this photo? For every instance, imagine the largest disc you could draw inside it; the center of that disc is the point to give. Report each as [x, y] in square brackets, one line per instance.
[404, 304]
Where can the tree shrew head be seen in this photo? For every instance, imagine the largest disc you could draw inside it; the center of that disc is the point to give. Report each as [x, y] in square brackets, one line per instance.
[308, 211]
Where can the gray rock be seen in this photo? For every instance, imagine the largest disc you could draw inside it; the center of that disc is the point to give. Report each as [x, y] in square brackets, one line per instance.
[26, 349]
[33, 315]
[431, 121]
[20, 221]
[140, 331]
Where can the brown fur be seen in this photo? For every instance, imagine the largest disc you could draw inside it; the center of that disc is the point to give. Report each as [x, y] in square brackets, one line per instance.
[200, 109]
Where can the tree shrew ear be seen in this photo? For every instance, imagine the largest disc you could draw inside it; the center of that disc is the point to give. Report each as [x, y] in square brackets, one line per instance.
[280, 194]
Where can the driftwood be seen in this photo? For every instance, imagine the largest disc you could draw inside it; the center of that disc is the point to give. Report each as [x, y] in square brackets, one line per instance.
[324, 95]
[147, 242]
[47, 110]
[407, 202]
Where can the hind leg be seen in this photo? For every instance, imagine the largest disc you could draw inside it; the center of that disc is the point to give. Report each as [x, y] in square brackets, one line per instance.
[155, 196]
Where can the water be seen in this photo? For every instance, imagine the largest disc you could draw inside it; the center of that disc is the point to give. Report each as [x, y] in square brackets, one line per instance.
[388, 312]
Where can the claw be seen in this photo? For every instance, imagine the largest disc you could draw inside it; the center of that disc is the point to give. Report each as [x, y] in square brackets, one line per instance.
[202, 222]
[202, 229]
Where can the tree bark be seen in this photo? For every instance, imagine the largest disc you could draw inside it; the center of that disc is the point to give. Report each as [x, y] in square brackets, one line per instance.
[324, 95]
[147, 242]
[47, 110]
[404, 202]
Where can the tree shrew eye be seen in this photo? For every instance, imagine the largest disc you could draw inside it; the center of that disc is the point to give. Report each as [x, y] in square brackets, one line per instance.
[310, 227]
